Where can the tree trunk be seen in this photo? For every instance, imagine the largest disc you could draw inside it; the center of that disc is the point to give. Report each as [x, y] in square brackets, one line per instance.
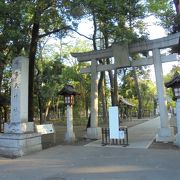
[176, 27]
[115, 88]
[138, 93]
[47, 110]
[87, 106]
[57, 109]
[1, 75]
[101, 90]
[177, 5]
[101, 85]
[32, 54]
[95, 31]
[5, 113]
[104, 102]
[111, 77]
[40, 109]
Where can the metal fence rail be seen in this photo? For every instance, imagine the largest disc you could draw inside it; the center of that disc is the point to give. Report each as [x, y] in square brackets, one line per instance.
[106, 137]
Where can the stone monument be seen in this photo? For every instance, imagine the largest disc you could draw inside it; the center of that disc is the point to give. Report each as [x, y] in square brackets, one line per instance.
[19, 137]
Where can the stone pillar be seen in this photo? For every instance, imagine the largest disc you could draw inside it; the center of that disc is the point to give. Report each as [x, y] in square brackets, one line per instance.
[94, 132]
[19, 98]
[165, 132]
[19, 137]
[177, 142]
[70, 136]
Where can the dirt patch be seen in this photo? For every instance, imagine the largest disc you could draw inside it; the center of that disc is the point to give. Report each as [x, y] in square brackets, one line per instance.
[80, 132]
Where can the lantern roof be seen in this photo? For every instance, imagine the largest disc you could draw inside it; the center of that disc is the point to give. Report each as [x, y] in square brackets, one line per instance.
[68, 90]
[173, 82]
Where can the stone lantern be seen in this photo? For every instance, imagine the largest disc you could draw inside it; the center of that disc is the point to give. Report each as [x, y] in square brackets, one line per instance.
[69, 93]
[175, 85]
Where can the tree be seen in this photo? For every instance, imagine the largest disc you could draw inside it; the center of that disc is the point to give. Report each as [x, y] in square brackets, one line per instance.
[13, 35]
[71, 73]
[146, 89]
[25, 22]
[55, 68]
[110, 22]
[53, 11]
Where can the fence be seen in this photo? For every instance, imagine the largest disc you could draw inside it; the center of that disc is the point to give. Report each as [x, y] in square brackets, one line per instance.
[106, 137]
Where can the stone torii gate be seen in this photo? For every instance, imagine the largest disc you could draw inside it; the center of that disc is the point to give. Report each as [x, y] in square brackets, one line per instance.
[121, 55]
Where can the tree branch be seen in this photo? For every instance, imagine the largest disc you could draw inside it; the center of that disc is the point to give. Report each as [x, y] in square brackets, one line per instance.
[52, 32]
[81, 34]
[63, 28]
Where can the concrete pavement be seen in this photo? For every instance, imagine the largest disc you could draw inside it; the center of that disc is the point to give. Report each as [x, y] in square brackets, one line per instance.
[140, 136]
[93, 163]
[70, 162]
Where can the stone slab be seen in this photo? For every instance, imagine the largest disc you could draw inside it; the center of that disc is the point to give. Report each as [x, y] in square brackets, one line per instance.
[45, 129]
[121, 55]
[165, 135]
[177, 141]
[48, 135]
[70, 137]
[16, 145]
[16, 127]
[48, 140]
[94, 133]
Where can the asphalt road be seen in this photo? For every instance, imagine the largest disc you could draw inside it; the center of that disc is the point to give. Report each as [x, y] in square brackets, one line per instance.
[93, 163]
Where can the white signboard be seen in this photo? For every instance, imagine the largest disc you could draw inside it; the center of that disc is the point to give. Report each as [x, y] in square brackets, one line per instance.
[121, 135]
[114, 122]
[45, 129]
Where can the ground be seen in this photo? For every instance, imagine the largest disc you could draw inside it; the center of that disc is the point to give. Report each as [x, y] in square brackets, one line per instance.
[80, 132]
[76, 162]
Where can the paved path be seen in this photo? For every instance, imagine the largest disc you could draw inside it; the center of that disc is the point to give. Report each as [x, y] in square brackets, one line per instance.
[93, 163]
[140, 136]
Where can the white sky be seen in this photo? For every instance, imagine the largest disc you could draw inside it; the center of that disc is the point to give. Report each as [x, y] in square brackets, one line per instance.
[156, 32]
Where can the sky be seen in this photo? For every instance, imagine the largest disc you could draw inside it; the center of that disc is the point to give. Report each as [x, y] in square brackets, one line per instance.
[156, 32]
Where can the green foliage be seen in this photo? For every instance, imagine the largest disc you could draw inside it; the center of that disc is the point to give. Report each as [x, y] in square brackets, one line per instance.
[146, 86]
[54, 69]
[116, 20]
[163, 10]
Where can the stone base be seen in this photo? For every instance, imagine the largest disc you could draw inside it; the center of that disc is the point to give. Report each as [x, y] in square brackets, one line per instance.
[177, 141]
[48, 140]
[16, 145]
[70, 137]
[94, 133]
[165, 135]
[17, 127]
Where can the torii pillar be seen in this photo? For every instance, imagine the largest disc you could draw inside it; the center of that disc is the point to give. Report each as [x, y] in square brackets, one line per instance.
[165, 132]
[94, 132]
